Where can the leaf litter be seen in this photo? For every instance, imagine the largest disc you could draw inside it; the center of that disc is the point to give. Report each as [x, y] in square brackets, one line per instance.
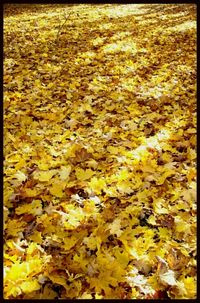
[100, 151]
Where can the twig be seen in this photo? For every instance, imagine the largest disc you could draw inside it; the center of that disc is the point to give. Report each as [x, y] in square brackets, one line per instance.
[61, 27]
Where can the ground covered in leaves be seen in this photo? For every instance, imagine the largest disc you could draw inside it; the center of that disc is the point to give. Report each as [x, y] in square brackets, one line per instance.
[99, 151]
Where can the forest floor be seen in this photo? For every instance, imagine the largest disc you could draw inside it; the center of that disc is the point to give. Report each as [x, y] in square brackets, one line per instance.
[99, 151]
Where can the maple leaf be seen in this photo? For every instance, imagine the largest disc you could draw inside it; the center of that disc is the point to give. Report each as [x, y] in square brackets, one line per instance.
[14, 226]
[125, 187]
[34, 208]
[86, 295]
[82, 155]
[20, 176]
[48, 292]
[30, 286]
[97, 185]
[44, 176]
[83, 175]
[64, 172]
[29, 192]
[113, 150]
[69, 243]
[36, 237]
[91, 242]
[57, 189]
[115, 227]
[166, 276]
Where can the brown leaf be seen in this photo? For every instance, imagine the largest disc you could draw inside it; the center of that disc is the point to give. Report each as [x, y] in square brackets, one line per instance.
[81, 156]
[28, 217]
[166, 221]
[166, 100]
[176, 259]
[29, 229]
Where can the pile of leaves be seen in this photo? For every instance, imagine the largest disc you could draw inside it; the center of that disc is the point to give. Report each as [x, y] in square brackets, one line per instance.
[99, 151]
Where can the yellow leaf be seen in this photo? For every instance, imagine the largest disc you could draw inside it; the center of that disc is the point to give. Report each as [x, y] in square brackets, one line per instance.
[191, 287]
[83, 175]
[181, 225]
[85, 295]
[115, 227]
[164, 232]
[48, 293]
[97, 296]
[151, 220]
[113, 150]
[14, 226]
[44, 176]
[91, 242]
[123, 174]
[69, 243]
[43, 166]
[158, 205]
[122, 258]
[64, 172]
[19, 271]
[29, 286]
[31, 248]
[97, 185]
[125, 187]
[31, 192]
[36, 237]
[20, 176]
[57, 190]
[58, 280]
[166, 174]
[34, 208]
